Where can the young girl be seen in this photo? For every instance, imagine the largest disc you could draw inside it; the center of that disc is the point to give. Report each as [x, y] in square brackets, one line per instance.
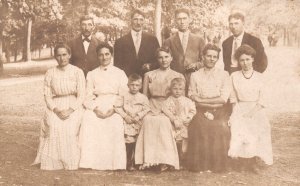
[180, 110]
[135, 107]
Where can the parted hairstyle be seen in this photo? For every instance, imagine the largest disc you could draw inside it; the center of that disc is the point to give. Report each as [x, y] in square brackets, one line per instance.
[211, 47]
[62, 45]
[236, 15]
[137, 11]
[244, 49]
[105, 45]
[163, 49]
[182, 10]
[86, 17]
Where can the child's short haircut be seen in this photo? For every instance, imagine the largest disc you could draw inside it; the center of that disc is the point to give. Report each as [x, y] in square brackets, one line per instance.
[178, 81]
[134, 77]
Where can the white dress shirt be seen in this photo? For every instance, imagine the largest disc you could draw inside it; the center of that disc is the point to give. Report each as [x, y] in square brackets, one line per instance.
[238, 41]
[86, 44]
[137, 38]
[184, 37]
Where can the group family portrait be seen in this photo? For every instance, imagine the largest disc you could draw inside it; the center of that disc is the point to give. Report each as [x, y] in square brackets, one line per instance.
[139, 92]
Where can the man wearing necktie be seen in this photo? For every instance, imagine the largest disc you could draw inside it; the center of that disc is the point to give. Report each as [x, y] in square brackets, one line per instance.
[83, 48]
[135, 51]
[238, 38]
[185, 46]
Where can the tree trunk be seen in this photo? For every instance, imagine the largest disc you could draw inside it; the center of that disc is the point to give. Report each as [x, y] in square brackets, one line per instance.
[157, 21]
[28, 40]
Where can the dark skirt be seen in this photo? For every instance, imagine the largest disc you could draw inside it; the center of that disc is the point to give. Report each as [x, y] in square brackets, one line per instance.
[208, 141]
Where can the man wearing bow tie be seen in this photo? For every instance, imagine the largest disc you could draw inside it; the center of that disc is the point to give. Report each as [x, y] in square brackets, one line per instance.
[135, 51]
[239, 37]
[83, 48]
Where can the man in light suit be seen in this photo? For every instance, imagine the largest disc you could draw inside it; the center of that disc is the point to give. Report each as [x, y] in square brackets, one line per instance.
[135, 52]
[240, 37]
[185, 46]
[83, 48]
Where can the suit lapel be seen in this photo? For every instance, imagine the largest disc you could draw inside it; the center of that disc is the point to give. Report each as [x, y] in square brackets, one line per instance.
[80, 45]
[245, 38]
[177, 43]
[143, 44]
[129, 40]
[92, 45]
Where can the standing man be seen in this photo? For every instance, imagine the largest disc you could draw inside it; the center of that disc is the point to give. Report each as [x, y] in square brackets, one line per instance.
[185, 46]
[239, 37]
[83, 48]
[135, 52]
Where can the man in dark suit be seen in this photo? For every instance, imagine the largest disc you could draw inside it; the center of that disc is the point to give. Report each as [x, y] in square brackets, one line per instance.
[239, 37]
[83, 48]
[135, 52]
[186, 47]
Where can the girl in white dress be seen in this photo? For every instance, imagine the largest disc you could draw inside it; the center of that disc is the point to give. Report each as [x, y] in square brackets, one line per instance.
[64, 90]
[250, 127]
[102, 131]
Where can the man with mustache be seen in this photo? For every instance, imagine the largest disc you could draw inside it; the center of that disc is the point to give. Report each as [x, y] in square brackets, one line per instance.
[135, 52]
[239, 37]
[83, 48]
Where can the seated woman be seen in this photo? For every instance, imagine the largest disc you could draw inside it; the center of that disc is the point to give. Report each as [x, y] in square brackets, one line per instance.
[64, 91]
[155, 145]
[102, 131]
[250, 127]
[208, 132]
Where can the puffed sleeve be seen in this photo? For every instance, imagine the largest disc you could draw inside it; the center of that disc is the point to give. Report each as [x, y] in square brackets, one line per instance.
[233, 95]
[80, 80]
[123, 88]
[192, 109]
[146, 84]
[48, 94]
[89, 102]
[225, 88]
[192, 90]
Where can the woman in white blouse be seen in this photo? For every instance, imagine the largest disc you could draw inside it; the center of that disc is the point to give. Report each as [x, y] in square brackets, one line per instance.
[64, 91]
[250, 127]
[208, 132]
[102, 131]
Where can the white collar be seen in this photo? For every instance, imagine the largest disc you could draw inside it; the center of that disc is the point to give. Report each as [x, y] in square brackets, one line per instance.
[133, 33]
[240, 37]
[186, 32]
[108, 67]
[90, 37]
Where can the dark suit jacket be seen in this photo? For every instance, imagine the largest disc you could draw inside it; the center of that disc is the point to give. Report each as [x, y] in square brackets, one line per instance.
[192, 55]
[125, 56]
[79, 58]
[260, 62]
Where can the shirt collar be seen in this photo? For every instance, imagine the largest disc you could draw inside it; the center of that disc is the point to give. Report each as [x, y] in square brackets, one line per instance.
[181, 33]
[90, 37]
[133, 33]
[240, 37]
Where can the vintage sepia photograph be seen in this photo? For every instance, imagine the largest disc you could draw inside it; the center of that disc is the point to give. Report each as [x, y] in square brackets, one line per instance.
[149, 92]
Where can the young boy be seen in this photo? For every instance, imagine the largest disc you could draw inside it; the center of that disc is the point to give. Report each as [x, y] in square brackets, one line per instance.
[180, 111]
[135, 107]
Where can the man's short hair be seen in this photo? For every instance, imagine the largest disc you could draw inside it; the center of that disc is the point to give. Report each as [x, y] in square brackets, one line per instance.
[236, 15]
[134, 77]
[182, 10]
[86, 17]
[137, 11]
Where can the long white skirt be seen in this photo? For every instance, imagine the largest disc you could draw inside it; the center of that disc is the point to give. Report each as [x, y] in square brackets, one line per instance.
[250, 137]
[102, 142]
